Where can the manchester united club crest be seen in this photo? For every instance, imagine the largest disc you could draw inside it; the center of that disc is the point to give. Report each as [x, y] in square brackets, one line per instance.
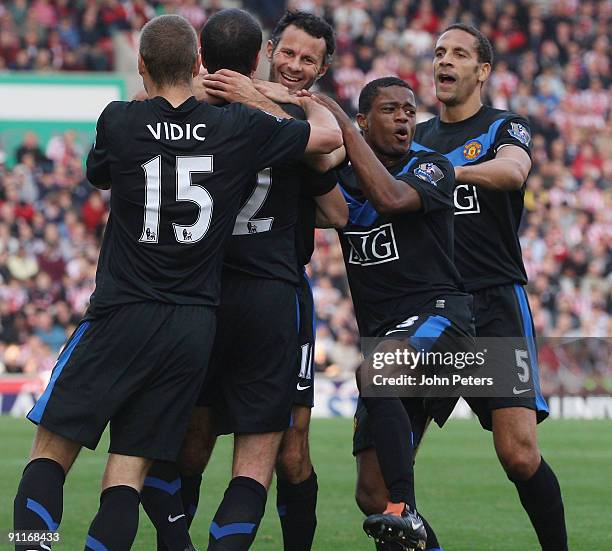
[471, 150]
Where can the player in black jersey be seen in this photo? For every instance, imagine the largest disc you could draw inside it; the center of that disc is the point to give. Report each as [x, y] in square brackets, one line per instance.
[255, 358]
[490, 150]
[398, 252]
[139, 356]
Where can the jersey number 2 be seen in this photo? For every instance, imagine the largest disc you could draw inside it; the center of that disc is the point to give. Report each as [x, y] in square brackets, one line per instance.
[185, 191]
[246, 223]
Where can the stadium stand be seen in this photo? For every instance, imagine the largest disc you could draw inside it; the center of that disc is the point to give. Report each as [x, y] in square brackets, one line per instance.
[552, 65]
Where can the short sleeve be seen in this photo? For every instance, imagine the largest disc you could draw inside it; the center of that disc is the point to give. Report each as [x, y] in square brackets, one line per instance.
[316, 184]
[433, 177]
[514, 131]
[276, 140]
[98, 165]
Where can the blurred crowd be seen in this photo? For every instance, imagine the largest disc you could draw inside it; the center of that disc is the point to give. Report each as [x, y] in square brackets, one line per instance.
[552, 65]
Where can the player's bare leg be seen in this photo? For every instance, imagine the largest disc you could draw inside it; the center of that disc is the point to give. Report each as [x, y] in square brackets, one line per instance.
[52, 446]
[515, 439]
[255, 456]
[372, 496]
[125, 470]
[39, 501]
[171, 491]
[116, 523]
[237, 518]
[297, 484]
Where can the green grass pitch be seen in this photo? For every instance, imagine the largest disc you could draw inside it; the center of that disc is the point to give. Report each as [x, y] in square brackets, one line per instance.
[460, 488]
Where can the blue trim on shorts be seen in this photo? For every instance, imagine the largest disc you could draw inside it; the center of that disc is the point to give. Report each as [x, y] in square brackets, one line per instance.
[428, 333]
[38, 410]
[169, 487]
[282, 510]
[541, 404]
[94, 544]
[42, 512]
[314, 311]
[231, 529]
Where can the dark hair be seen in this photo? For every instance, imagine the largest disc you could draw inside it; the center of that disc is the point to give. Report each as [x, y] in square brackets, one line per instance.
[309, 23]
[483, 44]
[231, 39]
[370, 91]
[169, 49]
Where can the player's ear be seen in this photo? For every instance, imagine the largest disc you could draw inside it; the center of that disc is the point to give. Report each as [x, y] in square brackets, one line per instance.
[483, 72]
[142, 69]
[362, 122]
[255, 63]
[269, 49]
[196, 66]
[323, 70]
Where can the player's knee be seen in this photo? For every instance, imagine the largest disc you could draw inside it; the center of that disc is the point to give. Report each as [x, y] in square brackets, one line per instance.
[520, 461]
[293, 462]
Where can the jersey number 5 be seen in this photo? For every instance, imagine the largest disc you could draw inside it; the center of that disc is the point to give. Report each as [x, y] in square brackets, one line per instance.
[185, 191]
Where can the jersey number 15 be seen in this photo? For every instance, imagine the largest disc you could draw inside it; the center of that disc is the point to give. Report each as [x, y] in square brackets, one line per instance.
[185, 191]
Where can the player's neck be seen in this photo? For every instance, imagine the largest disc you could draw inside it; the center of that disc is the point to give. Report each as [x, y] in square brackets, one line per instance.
[174, 95]
[461, 111]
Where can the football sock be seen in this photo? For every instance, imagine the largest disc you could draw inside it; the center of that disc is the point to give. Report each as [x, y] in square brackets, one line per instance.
[190, 495]
[237, 518]
[161, 499]
[114, 527]
[541, 498]
[432, 539]
[392, 434]
[296, 504]
[39, 501]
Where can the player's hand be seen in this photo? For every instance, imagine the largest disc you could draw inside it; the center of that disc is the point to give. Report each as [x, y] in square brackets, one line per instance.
[337, 111]
[275, 91]
[200, 93]
[230, 86]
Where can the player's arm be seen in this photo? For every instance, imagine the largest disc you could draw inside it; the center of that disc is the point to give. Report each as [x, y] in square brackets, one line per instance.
[507, 172]
[325, 163]
[98, 164]
[385, 193]
[332, 210]
[315, 114]
[325, 136]
[234, 87]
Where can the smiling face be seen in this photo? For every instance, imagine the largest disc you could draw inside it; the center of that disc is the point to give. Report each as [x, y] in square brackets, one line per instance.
[298, 59]
[458, 74]
[390, 124]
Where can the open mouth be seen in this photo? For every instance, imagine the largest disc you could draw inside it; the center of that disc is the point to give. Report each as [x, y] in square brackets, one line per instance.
[445, 78]
[401, 133]
[289, 78]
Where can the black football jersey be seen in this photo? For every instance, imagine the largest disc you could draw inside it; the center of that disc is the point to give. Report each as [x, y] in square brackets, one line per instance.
[263, 242]
[401, 264]
[178, 176]
[487, 248]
